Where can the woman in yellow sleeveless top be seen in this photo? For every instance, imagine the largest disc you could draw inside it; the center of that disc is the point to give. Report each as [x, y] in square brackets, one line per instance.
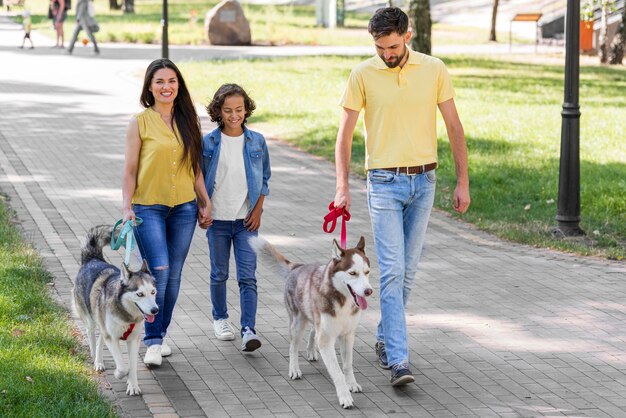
[163, 185]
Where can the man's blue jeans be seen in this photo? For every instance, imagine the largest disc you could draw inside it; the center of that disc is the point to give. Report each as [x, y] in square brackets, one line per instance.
[221, 234]
[163, 239]
[399, 206]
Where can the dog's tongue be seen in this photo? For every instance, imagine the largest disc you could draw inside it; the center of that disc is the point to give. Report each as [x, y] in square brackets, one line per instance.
[362, 302]
[149, 318]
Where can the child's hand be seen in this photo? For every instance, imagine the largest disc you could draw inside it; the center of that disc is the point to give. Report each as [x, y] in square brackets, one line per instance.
[204, 216]
[253, 221]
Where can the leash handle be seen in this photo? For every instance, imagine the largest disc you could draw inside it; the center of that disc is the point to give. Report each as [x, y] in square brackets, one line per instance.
[330, 221]
[126, 238]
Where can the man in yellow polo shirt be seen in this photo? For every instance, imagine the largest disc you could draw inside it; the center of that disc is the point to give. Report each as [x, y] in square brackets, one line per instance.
[400, 91]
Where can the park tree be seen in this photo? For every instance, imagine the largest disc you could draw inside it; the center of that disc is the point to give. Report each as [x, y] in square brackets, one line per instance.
[588, 7]
[129, 6]
[419, 15]
[494, 14]
[619, 42]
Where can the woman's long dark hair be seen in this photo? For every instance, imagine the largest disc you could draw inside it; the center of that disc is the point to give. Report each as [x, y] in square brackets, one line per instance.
[183, 112]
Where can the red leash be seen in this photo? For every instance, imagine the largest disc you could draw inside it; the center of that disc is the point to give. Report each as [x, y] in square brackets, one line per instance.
[330, 221]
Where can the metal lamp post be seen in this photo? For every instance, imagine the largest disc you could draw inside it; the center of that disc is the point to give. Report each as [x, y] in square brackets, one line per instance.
[164, 41]
[568, 212]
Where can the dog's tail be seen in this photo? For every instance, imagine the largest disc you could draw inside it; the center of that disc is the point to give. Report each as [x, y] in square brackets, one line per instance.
[262, 247]
[94, 242]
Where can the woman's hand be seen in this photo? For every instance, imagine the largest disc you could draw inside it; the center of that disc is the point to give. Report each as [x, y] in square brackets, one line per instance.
[127, 214]
[204, 215]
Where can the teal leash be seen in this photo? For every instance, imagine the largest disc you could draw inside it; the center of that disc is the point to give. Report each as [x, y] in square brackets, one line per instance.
[126, 238]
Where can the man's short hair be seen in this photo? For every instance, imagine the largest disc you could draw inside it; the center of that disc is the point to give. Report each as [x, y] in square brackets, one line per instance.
[388, 20]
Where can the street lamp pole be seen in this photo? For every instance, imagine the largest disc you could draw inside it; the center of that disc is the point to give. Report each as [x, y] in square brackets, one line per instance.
[568, 212]
[164, 40]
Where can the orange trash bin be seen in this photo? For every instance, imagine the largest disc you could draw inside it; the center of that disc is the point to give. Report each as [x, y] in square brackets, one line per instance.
[586, 35]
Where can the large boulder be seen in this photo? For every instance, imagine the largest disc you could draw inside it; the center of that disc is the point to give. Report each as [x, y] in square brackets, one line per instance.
[225, 24]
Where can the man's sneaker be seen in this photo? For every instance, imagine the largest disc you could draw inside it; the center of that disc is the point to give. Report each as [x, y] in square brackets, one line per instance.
[401, 375]
[153, 355]
[166, 350]
[223, 330]
[381, 354]
[249, 340]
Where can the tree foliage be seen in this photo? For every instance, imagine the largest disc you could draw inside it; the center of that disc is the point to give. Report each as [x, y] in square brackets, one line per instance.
[419, 15]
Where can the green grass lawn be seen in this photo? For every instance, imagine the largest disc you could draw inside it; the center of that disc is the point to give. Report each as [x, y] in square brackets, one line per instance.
[43, 369]
[270, 25]
[511, 114]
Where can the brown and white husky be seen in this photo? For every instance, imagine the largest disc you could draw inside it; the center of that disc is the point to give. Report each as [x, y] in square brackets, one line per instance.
[330, 297]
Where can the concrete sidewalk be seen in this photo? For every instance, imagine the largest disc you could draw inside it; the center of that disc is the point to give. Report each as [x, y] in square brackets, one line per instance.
[495, 329]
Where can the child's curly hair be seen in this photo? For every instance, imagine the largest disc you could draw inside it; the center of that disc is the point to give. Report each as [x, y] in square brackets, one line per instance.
[214, 109]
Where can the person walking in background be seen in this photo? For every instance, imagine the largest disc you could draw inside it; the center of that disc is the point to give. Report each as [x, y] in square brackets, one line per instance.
[400, 90]
[27, 24]
[85, 21]
[58, 14]
[163, 185]
[236, 168]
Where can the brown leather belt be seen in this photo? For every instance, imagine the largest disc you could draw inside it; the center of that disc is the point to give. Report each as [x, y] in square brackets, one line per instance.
[411, 171]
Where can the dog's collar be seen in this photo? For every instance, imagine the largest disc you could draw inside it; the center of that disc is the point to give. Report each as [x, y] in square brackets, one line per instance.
[130, 329]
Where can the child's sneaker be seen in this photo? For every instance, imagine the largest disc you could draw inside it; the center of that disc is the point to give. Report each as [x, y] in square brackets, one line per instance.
[223, 330]
[249, 340]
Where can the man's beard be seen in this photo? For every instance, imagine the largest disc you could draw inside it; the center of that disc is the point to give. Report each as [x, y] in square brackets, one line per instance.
[397, 60]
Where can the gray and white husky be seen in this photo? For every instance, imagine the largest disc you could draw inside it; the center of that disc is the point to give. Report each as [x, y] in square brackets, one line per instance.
[115, 301]
[329, 297]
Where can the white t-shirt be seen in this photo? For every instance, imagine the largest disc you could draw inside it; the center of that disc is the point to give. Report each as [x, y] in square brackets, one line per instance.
[230, 195]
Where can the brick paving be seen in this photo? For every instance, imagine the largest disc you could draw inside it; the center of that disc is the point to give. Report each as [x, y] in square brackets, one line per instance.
[496, 329]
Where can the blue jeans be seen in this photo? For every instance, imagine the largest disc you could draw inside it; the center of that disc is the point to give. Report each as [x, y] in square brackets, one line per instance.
[399, 206]
[163, 239]
[221, 234]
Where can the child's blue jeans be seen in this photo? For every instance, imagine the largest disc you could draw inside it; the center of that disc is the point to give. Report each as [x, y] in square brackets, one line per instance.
[221, 235]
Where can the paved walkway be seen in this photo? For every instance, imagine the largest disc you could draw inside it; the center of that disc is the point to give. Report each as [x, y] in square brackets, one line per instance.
[495, 329]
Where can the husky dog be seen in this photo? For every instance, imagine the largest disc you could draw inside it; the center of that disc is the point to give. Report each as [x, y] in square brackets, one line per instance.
[329, 297]
[116, 302]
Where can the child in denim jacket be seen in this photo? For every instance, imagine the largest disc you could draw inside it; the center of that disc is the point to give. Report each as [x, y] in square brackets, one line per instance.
[236, 168]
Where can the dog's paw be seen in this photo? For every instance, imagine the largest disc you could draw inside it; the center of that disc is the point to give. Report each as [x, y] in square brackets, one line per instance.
[132, 389]
[354, 387]
[120, 373]
[345, 399]
[295, 373]
[99, 367]
[311, 355]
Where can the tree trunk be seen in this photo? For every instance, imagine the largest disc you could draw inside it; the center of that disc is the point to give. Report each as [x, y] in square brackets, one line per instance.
[113, 5]
[419, 15]
[604, 21]
[619, 42]
[129, 6]
[494, 14]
